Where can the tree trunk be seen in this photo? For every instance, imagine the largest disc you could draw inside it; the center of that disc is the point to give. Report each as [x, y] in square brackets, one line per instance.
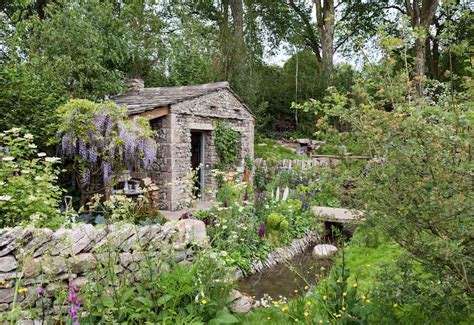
[422, 15]
[325, 22]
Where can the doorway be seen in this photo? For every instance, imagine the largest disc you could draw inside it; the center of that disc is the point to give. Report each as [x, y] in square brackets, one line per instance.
[197, 161]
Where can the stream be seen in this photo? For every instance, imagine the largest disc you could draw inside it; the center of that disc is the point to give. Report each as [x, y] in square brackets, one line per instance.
[288, 279]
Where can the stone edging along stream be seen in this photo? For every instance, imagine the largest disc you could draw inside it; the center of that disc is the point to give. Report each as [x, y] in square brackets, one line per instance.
[282, 254]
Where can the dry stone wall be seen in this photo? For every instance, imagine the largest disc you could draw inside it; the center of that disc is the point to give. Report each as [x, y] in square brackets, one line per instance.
[32, 258]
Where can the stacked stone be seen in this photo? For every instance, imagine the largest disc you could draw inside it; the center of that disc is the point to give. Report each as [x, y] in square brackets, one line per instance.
[281, 254]
[52, 260]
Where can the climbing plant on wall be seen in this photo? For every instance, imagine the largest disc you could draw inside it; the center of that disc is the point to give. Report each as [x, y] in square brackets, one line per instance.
[226, 141]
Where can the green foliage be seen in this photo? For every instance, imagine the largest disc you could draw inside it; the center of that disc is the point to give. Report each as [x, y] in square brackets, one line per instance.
[272, 152]
[277, 222]
[29, 193]
[227, 145]
[164, 293]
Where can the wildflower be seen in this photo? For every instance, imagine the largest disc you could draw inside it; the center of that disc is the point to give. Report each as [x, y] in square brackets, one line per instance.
[321, 321]
[203, 302]
[284, 309]
[268, 318]
[296, 320]
[325, 297]
[363, 297]
[40, 291]
[52, 159]
[225, 204]
[368, 301]
[28, 136]
[343, 308]
[246, 196]
[395, 305]
[2, 282]
[261, 231]
[32, 146]
[23, 290]
[8, 158]
[338, 316]
[295, 291]
[344, 294]
[41, 154]
[309, 303]
[306, 287]
[354, 285]
[7, 285]
[306, 313]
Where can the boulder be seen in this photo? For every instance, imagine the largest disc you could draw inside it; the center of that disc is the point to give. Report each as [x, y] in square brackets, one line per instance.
[189, 231]
[324, 251]
[240, 302]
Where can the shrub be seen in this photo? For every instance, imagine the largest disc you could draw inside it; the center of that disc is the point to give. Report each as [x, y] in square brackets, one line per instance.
[28, 183]
[276, 221]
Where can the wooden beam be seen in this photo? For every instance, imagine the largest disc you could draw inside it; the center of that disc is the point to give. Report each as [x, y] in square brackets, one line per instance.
[154, 113]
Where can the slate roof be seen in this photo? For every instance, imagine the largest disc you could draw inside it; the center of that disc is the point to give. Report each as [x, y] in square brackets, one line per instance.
[150, 98]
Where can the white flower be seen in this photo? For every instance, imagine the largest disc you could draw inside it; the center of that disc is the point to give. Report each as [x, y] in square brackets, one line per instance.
[5, 197]
[32, 146]
[41, 154]
[52, 159]
[28, 136]
[8, 158]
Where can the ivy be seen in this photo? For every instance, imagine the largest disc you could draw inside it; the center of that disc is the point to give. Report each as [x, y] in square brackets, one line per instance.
[226, 141]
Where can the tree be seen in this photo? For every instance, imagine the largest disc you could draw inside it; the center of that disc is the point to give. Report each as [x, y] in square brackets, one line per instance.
[325, 22]
[102, 142]
[421, 15]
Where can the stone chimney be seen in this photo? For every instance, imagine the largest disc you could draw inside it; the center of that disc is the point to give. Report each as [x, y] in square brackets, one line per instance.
[135, 85]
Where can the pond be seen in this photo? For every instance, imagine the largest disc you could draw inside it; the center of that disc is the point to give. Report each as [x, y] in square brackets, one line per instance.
[288, 279]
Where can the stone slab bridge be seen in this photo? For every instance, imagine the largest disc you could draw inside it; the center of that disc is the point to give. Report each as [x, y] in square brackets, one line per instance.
[343, 219]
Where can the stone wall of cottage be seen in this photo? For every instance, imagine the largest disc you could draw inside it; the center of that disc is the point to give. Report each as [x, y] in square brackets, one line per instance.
[173, 166]
[32, 258]
[200, 114]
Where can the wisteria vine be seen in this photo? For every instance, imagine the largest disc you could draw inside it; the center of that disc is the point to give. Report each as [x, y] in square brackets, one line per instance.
[100, 137]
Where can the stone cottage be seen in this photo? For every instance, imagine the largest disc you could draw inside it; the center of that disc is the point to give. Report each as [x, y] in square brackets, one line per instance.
[184, 118]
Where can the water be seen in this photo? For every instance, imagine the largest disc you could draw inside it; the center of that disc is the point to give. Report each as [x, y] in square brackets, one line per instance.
[282, 280]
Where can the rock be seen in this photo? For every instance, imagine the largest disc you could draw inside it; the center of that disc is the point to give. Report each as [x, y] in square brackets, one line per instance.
[6, 295]
[79, 282]
[4, 307]
[8, 263]
[241, 303]
[31, 267]
[324, 251]
[83, 262]
[53, 265]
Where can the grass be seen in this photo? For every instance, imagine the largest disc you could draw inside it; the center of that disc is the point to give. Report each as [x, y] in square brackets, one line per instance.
[268, 149]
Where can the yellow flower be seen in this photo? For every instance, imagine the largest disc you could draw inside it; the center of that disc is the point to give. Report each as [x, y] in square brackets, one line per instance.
[344, 294]
[395, 305]
[338, 281]
[268, 318]
[309, 303]
[284, 309]
[343, 308]
[363, 297]
[325, 297]
[7, 285]
[306, 313]
[296, 320]
[22, 290]
[354, 285]
[203, 302]
[321, 321]
[368, 301]
[306, 287]
[338, 316]
[296, 290]
[2, 282]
